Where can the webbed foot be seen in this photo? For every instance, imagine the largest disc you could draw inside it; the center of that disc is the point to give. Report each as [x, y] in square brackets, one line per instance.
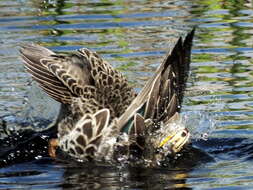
[53, 144]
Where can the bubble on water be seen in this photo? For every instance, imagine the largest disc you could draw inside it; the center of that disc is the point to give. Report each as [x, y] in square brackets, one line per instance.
[38, 157]
[204, 136]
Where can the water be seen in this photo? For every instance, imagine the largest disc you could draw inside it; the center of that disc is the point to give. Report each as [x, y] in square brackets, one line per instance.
[134, 37]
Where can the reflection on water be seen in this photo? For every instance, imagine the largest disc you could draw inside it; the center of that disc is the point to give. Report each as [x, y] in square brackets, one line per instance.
[133, 36]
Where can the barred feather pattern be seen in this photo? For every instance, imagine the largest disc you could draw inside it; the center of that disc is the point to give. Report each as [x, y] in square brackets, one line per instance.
[112, 88]
[91, 138]
[100, 103]
[92, 91]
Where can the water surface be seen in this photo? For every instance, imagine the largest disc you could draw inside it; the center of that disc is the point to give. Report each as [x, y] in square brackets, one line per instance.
[134, 36]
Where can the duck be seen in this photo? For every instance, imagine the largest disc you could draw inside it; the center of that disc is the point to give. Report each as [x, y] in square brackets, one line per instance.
[101, 116]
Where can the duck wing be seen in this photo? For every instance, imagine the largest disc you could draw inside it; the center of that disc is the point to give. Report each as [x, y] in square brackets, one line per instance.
[162, 95]
[112, 88]
[60, 76]
[80, 74]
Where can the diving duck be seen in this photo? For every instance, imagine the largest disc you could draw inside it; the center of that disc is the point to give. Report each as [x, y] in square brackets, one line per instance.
[101, 115]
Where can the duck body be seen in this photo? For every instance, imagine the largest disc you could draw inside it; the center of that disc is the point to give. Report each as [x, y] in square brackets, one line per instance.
[99, 106]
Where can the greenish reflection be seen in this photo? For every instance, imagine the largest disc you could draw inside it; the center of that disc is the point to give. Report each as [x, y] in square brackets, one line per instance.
[220, 27]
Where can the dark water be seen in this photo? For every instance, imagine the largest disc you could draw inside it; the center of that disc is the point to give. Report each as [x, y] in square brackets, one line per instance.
[134, 36]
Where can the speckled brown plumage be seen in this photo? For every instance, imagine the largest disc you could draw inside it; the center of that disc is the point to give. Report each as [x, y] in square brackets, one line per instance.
[99, 104]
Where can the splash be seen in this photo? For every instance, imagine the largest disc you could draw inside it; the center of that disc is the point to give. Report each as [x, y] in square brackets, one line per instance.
[38, 106]
[161, 141]
[200, 123]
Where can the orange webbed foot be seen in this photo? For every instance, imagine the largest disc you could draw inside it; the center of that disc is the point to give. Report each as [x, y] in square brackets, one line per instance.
[53, 144]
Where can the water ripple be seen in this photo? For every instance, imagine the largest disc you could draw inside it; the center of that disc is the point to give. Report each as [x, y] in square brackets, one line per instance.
[134, 36]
